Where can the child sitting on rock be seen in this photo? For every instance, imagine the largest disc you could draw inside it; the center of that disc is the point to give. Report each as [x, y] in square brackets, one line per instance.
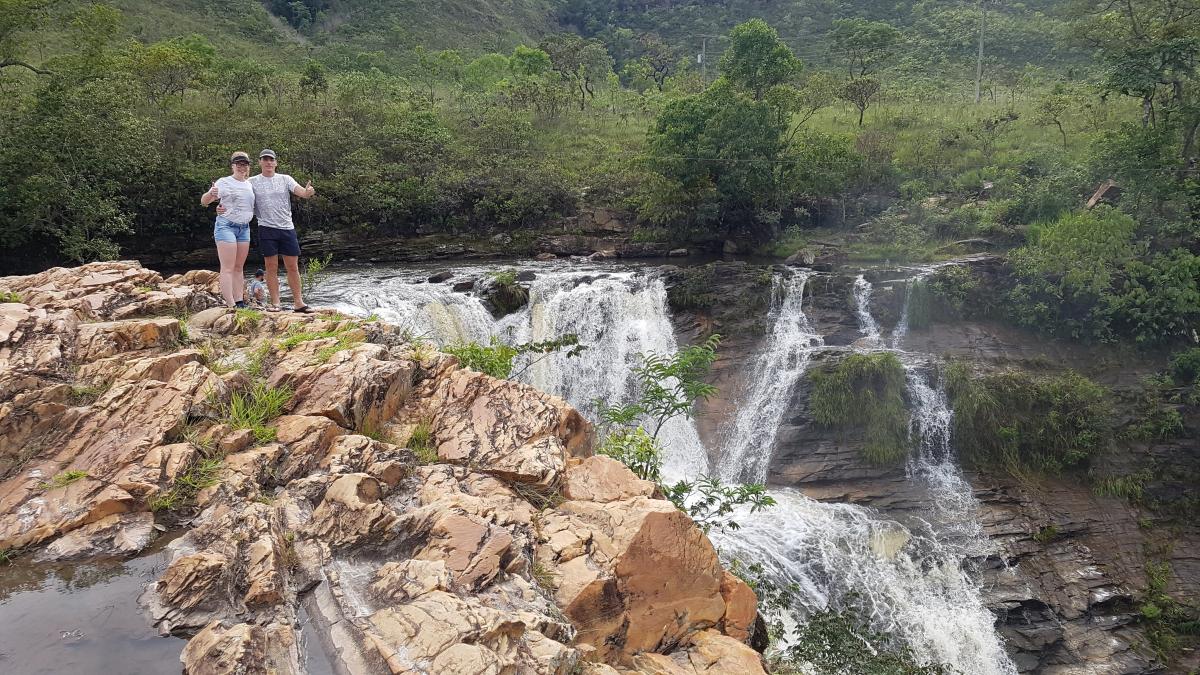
[256, 292]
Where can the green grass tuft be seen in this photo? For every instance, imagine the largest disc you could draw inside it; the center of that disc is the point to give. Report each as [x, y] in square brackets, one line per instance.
[255, 408]
[63, 479]
[203, 474]
[10, 296]
[421, 443]
[246, 320]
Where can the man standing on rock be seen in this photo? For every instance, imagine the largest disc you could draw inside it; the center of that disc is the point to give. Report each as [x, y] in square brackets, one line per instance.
[276, 233]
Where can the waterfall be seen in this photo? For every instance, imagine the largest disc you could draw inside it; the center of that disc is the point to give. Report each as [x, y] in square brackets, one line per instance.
[911, 580]
[909, 584]
[862, 307]
[746, 448]
[617, 315]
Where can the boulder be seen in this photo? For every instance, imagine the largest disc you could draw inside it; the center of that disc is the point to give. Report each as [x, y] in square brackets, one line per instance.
[507, 429]
[709, 653]
[242, 649]
[618, 567]
[604, 479]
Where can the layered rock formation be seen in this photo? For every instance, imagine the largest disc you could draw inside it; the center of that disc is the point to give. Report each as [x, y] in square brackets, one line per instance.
[427, 518]
[1072, 567]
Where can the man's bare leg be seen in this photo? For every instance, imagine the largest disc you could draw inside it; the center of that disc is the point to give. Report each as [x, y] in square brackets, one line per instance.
[292, 264]
[271, 267]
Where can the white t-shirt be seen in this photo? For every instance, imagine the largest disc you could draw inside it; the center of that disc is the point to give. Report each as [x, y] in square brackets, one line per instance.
[237, 196]
[273, 200]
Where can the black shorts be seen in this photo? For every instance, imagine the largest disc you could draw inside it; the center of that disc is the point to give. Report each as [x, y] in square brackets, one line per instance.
[273, 241]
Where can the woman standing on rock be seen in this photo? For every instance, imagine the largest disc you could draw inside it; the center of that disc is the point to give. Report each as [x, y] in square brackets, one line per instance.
[232, 228]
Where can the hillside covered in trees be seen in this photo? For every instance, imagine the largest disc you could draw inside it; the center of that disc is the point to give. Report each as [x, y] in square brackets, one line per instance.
[780, 127]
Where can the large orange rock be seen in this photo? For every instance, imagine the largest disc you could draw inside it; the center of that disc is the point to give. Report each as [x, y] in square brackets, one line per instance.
[634, 576]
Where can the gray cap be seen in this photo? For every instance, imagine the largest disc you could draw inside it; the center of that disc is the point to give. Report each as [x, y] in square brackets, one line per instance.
[267, 152]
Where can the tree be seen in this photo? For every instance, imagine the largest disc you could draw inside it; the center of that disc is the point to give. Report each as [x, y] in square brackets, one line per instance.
[234, 79]
[18, 18]
[1152, 50]
[314, 79]
[714, 158]
[859, 92]
[484, 72]
[864, 44]
[757, 59]
[579, 62]
[436, 67]
[1051, 109]
[658, 58]
[170, 67]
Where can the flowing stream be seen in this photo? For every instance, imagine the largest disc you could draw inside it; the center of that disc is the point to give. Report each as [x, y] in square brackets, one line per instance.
[912, 580]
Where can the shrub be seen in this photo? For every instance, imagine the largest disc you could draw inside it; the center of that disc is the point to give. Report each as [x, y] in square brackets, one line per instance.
[1019, 422]
[634, 448]
[832, 641]
[865, 391]
[1185, 367]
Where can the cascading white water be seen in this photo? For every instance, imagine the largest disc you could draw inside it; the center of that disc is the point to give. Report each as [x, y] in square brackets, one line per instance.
[912, 581]
[862, 308]
[748, 442]
[913, 584]
[840, 555]
[617, 315]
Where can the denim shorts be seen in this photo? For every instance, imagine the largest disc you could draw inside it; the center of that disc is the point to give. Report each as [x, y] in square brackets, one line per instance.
[226, 230]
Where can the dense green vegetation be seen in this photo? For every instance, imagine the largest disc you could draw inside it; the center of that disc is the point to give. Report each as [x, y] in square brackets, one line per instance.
[803, 122]
[1026, 424]
[865, 391]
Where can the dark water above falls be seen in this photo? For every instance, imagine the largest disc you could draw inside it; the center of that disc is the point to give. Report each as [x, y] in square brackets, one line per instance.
[83, 618]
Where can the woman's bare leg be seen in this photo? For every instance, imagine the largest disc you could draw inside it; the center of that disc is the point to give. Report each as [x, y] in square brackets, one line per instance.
[239, 274]
[227, 253]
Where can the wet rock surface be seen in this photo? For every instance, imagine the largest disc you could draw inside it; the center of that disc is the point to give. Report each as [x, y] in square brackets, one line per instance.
[514, 551]
[1071, 571]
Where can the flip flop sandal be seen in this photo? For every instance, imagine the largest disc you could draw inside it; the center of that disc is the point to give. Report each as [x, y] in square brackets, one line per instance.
[273, 308]
[303, 309]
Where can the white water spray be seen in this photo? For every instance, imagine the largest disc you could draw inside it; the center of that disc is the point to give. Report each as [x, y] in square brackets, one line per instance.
[862, 307]
[749, 441]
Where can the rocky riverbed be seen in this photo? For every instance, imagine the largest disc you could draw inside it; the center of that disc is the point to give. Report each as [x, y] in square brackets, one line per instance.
[421, 517]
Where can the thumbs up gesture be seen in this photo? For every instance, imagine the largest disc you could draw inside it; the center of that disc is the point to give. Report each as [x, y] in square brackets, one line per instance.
[308, 187]
[213, 190]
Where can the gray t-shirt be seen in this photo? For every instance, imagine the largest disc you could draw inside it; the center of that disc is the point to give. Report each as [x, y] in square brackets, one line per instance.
[273, 200]
[237, 196]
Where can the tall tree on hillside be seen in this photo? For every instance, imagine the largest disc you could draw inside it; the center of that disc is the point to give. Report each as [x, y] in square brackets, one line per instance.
[1153, 52]
[581, 63]
[865, 45]
[757, 59]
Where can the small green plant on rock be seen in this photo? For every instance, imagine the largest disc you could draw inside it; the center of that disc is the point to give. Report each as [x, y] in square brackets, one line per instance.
[497, 358]
[316, 271]
[420, 441]
[246, 320]
[200, 475]
[1046, 534]
[255, 408]
[87, 394]
[63, 479]
[10, 296]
